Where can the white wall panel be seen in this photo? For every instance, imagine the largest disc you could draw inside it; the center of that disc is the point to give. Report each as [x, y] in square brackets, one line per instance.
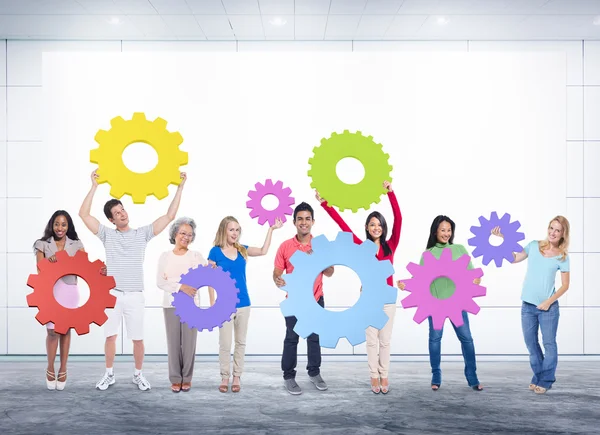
[3, 330]
[23, 214]
[591, 61]
[3, 116]
[295, 46]
[3, 281]
[179, 46]
[575, 217]
[591, 218]
[592, 330]
[591, 174]
[27, 172]
[590, 279]
[25, 57]
[2, 62]
[575, 295]
[24, 117]
[410, 46]
[575, 165]
[2, 225]
[3, 167]
[20, 266]
[575, 113]
[591, 114]
[572, 50]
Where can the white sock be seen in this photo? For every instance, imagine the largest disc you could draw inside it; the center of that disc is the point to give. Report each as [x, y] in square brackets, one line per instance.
[109, 370]
[137, 372]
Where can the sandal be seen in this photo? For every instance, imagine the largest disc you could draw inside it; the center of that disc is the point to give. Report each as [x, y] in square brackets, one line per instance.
[385, 388]
[186, 386]
[540, 390]
[60, 385]
[176, 388]
[375, 388]
[224, 387]
[435, 387]
[235, 388]
[532, 387]
[50, 383]
[477, 387]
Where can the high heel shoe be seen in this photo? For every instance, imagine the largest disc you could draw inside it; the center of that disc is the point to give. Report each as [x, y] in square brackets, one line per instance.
[384, 388]
[60, 385]
[50, 384]
[375, 387]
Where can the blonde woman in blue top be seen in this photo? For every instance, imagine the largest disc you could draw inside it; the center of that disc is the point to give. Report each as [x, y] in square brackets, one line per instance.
[232, 256]
[540, 299]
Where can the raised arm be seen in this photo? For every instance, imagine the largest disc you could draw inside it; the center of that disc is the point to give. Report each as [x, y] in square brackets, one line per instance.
[337, 218]
[161, 223]
[397, 228]
[84, 212]
[257, 252]
[517, 256]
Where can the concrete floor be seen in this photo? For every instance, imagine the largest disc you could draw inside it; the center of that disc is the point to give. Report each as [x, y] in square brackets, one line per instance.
[264, 407]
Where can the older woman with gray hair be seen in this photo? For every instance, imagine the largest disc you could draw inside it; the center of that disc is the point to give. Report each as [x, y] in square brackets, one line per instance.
[181, 340]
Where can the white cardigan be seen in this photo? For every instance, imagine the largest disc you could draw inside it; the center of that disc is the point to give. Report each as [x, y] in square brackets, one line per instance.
[170, 269]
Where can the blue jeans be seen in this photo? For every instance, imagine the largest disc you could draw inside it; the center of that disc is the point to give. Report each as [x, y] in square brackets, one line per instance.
[468, 350]
[532, 319]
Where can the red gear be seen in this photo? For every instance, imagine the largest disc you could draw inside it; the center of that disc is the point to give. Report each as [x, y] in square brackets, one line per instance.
[65, 318]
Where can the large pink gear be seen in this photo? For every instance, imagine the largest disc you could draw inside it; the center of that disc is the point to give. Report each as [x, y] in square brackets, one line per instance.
[439, 309]
[262, 190]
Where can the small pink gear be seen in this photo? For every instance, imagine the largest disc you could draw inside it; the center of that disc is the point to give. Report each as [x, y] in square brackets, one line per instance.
[427, 304]
[283, 196]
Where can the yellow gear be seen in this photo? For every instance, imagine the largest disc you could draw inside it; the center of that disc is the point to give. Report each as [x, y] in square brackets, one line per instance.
[112, 170]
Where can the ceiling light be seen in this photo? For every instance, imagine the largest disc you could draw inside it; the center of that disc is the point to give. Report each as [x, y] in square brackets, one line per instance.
[115, 20]
[442, 21]
[596, 21]
[278, 21]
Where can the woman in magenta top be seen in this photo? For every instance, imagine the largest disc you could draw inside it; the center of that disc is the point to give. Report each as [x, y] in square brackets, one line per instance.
[376, 231]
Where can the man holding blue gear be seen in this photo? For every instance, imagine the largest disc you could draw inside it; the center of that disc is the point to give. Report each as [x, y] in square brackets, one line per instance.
[303, 221]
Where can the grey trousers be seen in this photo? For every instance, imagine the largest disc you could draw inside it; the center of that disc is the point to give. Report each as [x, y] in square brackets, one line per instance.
[181, 347]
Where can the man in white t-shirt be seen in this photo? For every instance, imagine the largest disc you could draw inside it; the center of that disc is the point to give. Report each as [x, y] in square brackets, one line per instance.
[125, 250]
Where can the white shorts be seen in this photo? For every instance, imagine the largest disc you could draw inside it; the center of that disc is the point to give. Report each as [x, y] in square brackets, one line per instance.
[130, 306]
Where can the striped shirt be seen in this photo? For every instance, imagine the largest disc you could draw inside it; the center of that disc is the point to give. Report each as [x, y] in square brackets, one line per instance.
[125, 252]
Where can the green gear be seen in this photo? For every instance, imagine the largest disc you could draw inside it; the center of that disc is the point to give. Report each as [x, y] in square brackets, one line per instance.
[349, 196]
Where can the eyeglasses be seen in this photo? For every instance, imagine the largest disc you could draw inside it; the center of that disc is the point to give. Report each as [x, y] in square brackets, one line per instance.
[188, 235]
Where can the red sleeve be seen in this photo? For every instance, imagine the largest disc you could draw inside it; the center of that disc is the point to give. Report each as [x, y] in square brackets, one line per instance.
[338, 220]
[280, 259]
[395, 237]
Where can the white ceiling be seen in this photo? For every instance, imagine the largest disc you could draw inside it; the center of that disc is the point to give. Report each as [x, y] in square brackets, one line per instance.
[304, 19]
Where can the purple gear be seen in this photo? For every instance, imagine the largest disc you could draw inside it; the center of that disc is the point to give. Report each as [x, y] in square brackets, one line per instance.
[220, 312]
[452, 307]
[283, 196]
[510, 243]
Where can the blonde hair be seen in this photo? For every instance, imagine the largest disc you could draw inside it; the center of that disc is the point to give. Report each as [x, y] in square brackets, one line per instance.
[221, 236]
[563, 243]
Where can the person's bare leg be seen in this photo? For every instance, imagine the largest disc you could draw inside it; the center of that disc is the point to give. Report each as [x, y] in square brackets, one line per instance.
[65, 345]
[51, 349]
[110, 350]
[138, 353]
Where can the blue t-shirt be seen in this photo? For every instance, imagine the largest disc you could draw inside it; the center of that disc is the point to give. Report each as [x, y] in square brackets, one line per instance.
[237, 270]
[541, 274]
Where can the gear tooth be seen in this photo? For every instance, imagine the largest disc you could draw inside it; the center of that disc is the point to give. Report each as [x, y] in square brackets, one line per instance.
[139, 197]
[356, 337]
[345, 132]
[183, 158]
[304, 330]
[139, 116]
[32, 300]
[335, 133]
[116, 192]
[102, 136]
[269, 183]
[159, 194]
[117, 122]
[176, 137]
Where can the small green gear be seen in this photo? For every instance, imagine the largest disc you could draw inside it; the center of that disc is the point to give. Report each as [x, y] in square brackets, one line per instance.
[349, 196]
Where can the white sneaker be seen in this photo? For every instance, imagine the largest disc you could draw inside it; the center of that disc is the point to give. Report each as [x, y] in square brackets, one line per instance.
[106, 381]
[141, 382]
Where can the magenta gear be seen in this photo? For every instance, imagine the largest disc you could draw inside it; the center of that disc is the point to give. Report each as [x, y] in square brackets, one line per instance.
[439, 309]
[510, 242]
[283, 196]
[220, 312]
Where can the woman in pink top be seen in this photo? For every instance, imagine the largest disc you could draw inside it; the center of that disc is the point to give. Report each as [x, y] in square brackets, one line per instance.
[376, 231]
[59, 235]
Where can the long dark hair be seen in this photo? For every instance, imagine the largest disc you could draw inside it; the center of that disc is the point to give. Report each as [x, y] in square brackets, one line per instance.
[49, 231]
[434, 227]
[383, 239]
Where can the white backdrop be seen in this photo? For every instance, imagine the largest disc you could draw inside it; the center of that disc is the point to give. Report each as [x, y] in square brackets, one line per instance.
[467, 134]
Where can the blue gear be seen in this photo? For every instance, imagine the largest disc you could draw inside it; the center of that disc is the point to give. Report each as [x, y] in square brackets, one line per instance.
[351, 323]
